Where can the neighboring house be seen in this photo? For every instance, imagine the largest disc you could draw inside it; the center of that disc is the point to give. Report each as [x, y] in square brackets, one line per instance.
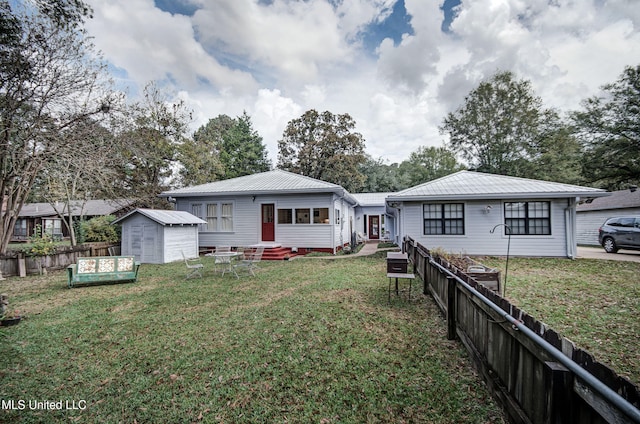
[592, 213]
[45, 215]
[372, 219]
[159, 236]
[459, 212]
[274, 208]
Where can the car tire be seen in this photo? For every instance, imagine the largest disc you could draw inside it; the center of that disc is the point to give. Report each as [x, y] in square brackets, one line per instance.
[609, 245]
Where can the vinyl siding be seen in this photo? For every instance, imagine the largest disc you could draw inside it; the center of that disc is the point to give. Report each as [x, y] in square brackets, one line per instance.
[151, 242]
[247, 221]
[478, 239]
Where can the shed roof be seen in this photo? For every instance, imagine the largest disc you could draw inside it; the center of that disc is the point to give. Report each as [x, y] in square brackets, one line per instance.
[477, 185]
[621, 199]
[270, 182]
[164, 217]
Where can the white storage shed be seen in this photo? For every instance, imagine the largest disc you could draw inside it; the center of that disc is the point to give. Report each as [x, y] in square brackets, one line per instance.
[159, 236]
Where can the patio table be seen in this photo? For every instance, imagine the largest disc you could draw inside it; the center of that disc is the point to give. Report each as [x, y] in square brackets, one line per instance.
[225, 260]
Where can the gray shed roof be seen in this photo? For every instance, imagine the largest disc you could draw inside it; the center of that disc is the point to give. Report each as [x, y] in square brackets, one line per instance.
[477, 185]
[270, 182]
[621, 199]
[165, 217]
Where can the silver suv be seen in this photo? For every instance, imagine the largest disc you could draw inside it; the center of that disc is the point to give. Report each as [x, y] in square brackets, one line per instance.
[621, 232]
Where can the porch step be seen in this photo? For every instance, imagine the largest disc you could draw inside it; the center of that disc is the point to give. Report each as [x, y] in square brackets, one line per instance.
[277, 253]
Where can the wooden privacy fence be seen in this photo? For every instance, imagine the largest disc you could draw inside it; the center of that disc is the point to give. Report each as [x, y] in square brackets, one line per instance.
[537, 375]
[10, 264]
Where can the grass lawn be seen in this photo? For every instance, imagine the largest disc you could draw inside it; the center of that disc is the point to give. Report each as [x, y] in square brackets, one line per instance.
[594, 303]
[308, 340]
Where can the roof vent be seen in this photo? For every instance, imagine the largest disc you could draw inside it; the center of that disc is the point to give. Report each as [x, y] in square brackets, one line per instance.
[633, 188]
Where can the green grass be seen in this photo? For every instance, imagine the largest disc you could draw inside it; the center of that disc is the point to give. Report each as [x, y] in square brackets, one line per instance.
[594, 303]
[308, 340]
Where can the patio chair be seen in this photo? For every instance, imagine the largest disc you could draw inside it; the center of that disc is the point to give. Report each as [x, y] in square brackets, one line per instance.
[223, 261]
[194, 266]
[250, 261]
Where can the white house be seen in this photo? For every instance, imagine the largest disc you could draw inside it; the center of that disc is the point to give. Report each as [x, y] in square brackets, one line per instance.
[591, 214]
[472, 212]
[159, 236]
[372, 218]
[273, 209]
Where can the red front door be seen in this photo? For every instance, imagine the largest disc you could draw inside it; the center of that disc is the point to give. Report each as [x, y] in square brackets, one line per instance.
[268, 227]
[374, 227]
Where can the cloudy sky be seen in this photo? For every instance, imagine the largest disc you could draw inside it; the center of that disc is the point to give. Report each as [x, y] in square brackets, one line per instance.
[396, 66]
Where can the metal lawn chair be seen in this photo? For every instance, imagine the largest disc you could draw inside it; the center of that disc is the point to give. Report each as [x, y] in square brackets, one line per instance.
[251, 260]
[194, 266]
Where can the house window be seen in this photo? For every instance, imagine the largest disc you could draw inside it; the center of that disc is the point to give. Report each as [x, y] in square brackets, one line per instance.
[337, 215]
[528, 218]
[20, 229]
[303, 216]
[219, 217]
[321, 216]
[443, 218]
[285, 216]
[52, 227]
[196, 210]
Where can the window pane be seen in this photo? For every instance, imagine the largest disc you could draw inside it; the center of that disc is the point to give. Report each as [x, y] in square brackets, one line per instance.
[321, 216]
[226, 222]
[303, 216]
[212, 217]
[285, 216]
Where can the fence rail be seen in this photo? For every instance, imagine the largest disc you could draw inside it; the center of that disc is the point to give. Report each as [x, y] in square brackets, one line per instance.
[537, 375]
[10, 264]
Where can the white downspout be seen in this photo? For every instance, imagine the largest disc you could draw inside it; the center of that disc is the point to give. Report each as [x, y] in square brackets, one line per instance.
[570, 228]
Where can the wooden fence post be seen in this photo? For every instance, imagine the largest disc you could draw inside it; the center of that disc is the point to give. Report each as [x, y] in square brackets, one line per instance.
[451, 308]
[558, 382]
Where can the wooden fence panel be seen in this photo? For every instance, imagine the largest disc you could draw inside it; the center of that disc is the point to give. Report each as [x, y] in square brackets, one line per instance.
[59, 260]
[532, 387]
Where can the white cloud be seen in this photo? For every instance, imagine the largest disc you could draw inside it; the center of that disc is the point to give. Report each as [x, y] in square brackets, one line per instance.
[280, 58]
[154, 45]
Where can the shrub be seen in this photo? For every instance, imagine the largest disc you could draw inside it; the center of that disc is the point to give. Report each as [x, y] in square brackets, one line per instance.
[100, 229]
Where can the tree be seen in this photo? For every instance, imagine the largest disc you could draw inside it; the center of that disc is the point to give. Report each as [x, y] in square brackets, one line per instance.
[223, 148]
[609, 129]
[428, 163]
[381, 177]
[148, 142]
[73, 177]
[199, 156]
[242, 150]
[501, 126]
[323, 146]
[49, 80]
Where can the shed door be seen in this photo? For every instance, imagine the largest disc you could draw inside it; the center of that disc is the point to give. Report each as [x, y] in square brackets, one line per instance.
[268, 227]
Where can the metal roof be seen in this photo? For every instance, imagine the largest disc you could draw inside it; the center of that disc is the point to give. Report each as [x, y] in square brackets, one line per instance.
[477, 185]
[621, 199]
[165, 217]
[371, 199]
[86, 207]
[270, 182]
